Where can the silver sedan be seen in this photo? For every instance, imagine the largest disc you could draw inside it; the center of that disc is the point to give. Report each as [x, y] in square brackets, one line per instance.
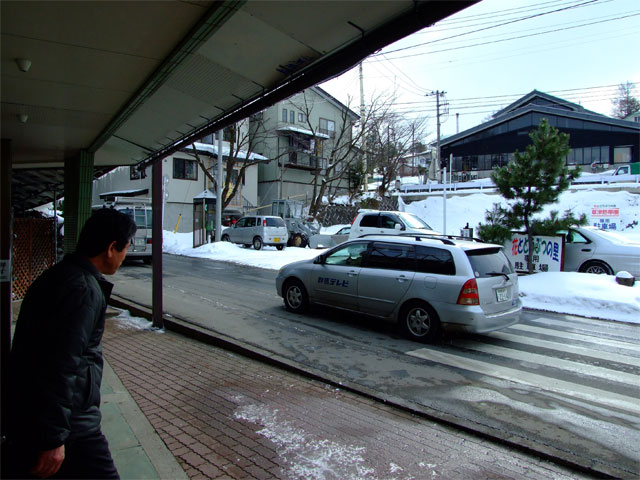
[591, 250]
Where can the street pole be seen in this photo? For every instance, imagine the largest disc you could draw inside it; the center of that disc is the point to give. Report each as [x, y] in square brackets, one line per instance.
[219, 190]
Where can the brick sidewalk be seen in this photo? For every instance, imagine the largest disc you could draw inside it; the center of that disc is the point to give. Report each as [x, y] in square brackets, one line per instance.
[226, 416]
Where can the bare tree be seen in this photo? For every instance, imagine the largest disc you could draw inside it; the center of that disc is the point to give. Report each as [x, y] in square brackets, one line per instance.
[625, 103]
[391, 139]
[242, 141]
[336, 151]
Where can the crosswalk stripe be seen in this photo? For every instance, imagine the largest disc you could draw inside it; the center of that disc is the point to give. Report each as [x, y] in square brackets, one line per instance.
[594, 326]
[577, 336]
[587, 352]
[630, 404]
[575, 367]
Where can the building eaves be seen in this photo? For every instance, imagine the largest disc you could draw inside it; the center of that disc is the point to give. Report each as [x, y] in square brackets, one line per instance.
[337, 103]
[536, 93]
[597, 118]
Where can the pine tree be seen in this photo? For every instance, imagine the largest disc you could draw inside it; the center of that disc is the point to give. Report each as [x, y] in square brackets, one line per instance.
[535, 178]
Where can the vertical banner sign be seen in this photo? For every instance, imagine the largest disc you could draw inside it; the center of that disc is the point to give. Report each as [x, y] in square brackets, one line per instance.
[606, 217]
[547, 253]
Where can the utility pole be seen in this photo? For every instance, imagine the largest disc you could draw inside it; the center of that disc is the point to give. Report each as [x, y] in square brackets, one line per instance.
[364, 137]
[438, 94]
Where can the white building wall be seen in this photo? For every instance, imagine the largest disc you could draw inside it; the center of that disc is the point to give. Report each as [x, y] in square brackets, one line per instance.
[179, 193]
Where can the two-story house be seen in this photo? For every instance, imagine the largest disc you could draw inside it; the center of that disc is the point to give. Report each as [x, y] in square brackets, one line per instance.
[308, 139]
[189, 195]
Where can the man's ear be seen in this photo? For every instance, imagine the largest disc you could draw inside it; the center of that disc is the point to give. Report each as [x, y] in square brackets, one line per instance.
[111, 249]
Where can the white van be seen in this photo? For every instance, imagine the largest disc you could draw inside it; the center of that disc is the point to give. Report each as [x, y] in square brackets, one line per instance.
[140, 210]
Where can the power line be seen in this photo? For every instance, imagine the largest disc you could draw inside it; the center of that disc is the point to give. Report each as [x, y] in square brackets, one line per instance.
[512, 38]
[487, 28]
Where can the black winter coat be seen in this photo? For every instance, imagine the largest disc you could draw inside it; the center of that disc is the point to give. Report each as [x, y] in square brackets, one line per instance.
[56, 357]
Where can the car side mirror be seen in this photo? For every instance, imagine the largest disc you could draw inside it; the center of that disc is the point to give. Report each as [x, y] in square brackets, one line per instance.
[319, 260]
[398, 226]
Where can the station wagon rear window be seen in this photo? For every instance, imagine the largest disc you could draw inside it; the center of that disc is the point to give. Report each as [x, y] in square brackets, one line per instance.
[488, 261]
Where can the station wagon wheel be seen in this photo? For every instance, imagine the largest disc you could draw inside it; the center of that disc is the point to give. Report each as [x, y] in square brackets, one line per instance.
[225, 238]
[257, 243]
[295, 296]
[419, 321]
[596, 266]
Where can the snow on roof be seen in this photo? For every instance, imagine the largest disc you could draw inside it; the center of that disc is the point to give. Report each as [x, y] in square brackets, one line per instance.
[213, 149]
[290, 128]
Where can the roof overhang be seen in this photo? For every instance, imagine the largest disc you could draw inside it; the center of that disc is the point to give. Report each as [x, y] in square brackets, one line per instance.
[136, 81]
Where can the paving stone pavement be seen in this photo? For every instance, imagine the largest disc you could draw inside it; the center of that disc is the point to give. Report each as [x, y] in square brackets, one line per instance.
[225, 416]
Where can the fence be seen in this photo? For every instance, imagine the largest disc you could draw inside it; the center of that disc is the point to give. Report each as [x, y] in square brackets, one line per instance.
[344, 214]
[33, 251]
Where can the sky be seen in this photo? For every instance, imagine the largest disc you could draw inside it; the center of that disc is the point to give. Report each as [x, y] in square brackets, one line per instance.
[588, 295]
[489, 55]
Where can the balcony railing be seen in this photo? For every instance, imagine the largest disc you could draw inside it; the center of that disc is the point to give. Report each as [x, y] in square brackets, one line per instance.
[299, 159]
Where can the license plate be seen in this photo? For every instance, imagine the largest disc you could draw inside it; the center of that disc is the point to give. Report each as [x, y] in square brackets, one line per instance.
[502, 294]
[276, 239]
[139, 242]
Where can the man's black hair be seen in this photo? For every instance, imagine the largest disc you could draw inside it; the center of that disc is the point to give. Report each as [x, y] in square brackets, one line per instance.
[103, 227]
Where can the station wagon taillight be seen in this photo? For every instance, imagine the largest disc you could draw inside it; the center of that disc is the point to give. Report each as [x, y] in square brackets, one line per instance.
[264, 222]
[148, 241]
[469, 293]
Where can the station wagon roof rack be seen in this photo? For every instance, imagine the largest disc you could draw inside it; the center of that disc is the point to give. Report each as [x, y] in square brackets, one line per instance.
[446, 239]
[440, 236]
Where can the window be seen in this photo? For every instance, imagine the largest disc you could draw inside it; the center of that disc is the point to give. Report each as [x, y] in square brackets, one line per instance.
[275, 222]
[369, 221]
[434, 260]
[388, 221]
[327, 127]
[135, 174]
[302, 118]
[350, 255]
[390, 256]
[185, 169]
[487, 262]
[292, 117]
[284, 115]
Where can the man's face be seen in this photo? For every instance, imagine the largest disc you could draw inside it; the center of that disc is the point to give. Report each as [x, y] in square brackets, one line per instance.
[115, 258]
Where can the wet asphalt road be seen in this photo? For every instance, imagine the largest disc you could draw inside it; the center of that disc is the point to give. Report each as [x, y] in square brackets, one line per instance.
[561, 385]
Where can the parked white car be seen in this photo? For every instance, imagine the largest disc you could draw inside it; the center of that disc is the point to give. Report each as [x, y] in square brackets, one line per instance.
[370, 222]
[592, 250]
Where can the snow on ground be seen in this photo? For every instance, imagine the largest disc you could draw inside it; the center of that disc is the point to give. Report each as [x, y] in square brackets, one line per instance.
[594, 296]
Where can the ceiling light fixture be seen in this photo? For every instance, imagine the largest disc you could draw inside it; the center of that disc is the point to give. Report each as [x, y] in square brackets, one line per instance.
[23, 117]
[23, 64]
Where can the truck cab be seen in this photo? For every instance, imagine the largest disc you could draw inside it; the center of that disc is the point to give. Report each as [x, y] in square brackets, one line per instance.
[139, 209]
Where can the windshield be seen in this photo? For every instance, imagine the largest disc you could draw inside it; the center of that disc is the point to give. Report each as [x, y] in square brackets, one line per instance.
[414, 221]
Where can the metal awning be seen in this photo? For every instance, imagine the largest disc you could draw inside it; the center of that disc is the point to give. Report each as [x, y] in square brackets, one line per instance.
[135, 81]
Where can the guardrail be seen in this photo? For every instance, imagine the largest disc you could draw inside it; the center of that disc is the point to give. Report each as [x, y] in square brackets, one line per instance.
[456, 186]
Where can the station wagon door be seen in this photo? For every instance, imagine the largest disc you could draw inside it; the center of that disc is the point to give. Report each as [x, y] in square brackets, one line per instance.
[385, 277]
[335, 282]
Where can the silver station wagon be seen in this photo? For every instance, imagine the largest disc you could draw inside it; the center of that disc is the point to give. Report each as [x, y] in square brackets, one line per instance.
[425, 283]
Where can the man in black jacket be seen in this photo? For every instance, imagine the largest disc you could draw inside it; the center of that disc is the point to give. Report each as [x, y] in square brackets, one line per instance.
[56, 360]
